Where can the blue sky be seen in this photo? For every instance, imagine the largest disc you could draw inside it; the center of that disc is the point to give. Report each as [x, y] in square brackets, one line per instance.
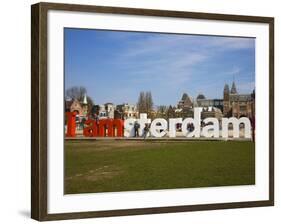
[115, 66]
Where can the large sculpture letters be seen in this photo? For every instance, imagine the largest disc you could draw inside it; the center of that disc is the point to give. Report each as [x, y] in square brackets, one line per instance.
[160, 127]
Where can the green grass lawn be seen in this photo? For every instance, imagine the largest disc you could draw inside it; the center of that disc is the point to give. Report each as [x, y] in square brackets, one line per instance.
[112, 165]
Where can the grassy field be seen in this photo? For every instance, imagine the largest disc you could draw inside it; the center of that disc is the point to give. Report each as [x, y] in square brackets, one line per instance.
[112, 165]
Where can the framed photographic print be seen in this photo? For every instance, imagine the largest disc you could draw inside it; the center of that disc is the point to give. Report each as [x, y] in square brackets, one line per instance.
[139, 111]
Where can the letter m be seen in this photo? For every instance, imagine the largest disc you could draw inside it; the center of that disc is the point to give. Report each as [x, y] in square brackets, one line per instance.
[110, 125]
[236, 126]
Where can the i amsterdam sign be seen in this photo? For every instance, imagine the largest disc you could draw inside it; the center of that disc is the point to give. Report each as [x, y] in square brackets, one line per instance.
[160, 127]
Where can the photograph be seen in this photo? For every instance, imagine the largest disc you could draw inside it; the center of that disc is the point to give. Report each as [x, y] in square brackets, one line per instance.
[141, 111]
[155, 111]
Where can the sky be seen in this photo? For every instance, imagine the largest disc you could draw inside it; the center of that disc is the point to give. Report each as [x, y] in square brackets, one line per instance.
[114, 66]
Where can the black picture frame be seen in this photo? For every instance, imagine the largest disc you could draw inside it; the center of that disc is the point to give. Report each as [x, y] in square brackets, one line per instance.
[39, 108]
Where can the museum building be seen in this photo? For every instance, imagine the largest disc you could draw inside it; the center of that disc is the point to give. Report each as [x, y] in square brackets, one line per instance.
[232, 104]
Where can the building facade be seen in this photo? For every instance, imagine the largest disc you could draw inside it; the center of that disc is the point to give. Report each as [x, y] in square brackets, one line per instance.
[238, 105]
[232, 104]
[74, 105]
[124, 111]
[103, 111]
[185, 102]
[201, 101]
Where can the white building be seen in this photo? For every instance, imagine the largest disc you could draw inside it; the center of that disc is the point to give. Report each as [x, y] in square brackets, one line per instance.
[127, 110]
[106, 111]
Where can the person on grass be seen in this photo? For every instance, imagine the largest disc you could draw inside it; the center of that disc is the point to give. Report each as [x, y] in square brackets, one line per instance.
[136, 128]
[145, 131]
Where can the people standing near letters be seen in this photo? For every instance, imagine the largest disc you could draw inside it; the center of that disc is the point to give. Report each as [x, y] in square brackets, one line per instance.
[146, 131]
[83, 123]
[136, 128]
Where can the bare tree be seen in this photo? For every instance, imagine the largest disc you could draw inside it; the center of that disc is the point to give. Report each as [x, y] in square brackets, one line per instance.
[141, 103]
[145, 102]
[149, 101]
[170, 112]
[162, 109]
[78, 93]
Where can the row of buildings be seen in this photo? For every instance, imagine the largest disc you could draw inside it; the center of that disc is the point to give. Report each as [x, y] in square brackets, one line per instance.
[103, 111]
[232, 104]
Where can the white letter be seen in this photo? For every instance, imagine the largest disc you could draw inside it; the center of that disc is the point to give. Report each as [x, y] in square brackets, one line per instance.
[129, 127]
[172, 126]
[236, 123]
[196, 121]
[211, 130]
[156, 129]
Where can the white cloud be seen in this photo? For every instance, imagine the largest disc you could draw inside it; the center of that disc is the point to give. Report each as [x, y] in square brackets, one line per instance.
[169, 62]
[231, 43]
[234, 71]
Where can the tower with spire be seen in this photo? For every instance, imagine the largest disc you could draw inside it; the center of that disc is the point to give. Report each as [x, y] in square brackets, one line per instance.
[237, 104]
[185, 102]
[226, 101]
[233, 88]
[228, 95]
